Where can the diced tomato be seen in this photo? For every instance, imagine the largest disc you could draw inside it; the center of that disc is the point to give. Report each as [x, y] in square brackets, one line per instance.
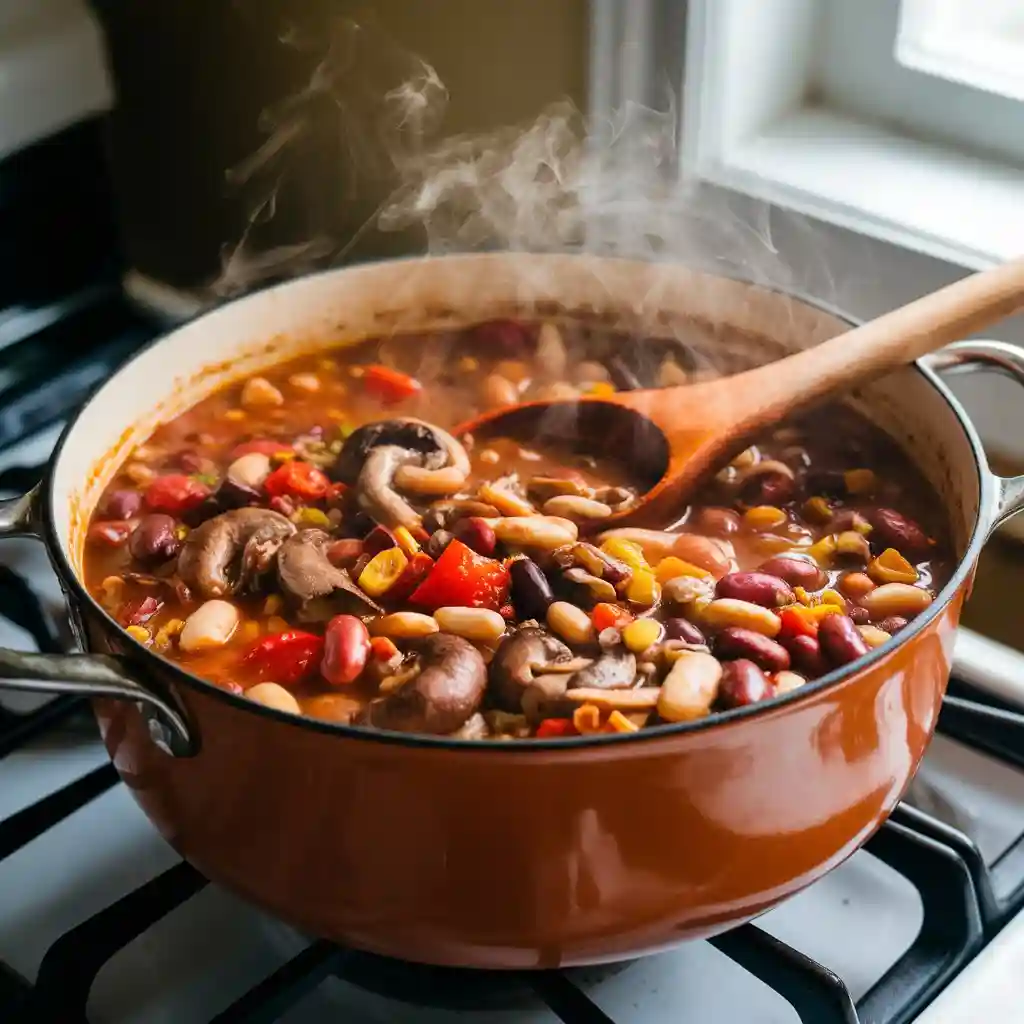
[287, 658]
[382, 648]
[111, 535]
[609, 616]
[175, 493]
[550, 728]
[261, 446]
[390, 385]
[297, 479]
[413, 575]
[139, 610]
[462, 578]
[795, 624]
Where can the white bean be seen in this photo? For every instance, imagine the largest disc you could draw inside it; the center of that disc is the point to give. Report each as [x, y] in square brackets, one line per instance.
[786, 682]
[728, 611]
[901, 599]
[417, 480]
[507, 503]
[258, 392]
[250, 470]
[499, 391]
[579, 510]
[690, 687]
[534, 531]
[271, 695]
[212, 624]
[404, 625]
[571, 623]
[479, 624]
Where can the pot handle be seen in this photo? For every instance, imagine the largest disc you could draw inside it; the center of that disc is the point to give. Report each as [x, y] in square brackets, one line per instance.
[85, 675]
[1002, 357]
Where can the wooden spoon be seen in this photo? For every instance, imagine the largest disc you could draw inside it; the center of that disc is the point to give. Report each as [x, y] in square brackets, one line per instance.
[672, 437]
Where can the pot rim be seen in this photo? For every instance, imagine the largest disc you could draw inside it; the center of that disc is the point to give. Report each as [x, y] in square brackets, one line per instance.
[965, 566]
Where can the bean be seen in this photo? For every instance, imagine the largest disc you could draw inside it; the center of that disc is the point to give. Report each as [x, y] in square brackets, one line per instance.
[155, 539]
[346, 552]
[590, 372]
[535, 532]
[212, 624]
[853, 545]
[571, 623]
[805, 654]
[498, 391]
[477, 624]
[579, 510]
[346, 650]
[732, 612]
[839, 640]
[859, 615]
[797, 572]
[249, 471]
[270, 695]
[259, 393]
[641, 634]
[786, 682]
[742, 683]
[855, 585]
[893, 623]
[507, 503]
[902, 599]
[308, 382]
[690, 688]
[755, 587]
[404, 625]
[434, 482]
[640, 699]
[476, 533]
[683, 629]
[122, 504]
[829, 482]
[439, 540]
[685, 590]
[232, 494]
[873, 636]
[736, 642]
[704, 552]
[894, 530]
[719, 522]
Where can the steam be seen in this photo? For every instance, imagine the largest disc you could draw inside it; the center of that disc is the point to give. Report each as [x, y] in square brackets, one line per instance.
[561, 183]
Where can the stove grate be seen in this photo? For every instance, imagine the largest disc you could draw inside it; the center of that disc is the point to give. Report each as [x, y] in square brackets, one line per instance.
[965, 901]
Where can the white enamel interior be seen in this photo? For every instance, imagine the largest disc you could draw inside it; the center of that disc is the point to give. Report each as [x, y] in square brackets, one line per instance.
[352, 303]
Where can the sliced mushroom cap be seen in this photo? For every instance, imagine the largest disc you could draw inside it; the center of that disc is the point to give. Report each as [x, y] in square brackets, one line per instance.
[614, 670]
[411, 434]
[445, 694]
[375, 492]
[319, 588]
[518, 660]
[229, 552]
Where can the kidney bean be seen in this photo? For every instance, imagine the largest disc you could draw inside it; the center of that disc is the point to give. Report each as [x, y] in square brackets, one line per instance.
[742, 683]
[735, 642]
[346, 552]
[797, 572]
[768, 489]
[719, 522]
[839, 640]
[531, 592]
[111, 535]
[893, 624]
[155, 539]
[122, 504]
[683, 629]
[894, 530]
[476, 533]
[755, 587]
[346, 650]
[860, 616]
[805, 655]
[439, 540]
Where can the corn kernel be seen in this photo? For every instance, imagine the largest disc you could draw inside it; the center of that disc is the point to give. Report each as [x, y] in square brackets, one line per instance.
[817, 510]
[861, 482]
[587, 719]
[273, 604]
[641, 634]
[356, 371]
[282, 456]
[829, 596]
[139, 633]
[671, 567]
[602, 389]
[275, 624]
[802, 596]
[382, 570]
[643, 589]
[823, 551]
[618, 722]
[310, 517]
[764, 517]
[891, 567]
[626, 551]
[234, 415]
[406, 541]
[773, 543]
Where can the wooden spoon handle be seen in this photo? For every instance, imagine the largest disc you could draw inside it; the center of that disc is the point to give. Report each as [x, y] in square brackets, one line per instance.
[894, 339]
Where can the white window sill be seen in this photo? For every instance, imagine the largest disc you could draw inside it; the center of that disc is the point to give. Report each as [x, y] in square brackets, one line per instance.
[924, 197]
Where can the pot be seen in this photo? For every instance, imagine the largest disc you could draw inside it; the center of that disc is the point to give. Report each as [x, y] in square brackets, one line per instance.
[520, 855]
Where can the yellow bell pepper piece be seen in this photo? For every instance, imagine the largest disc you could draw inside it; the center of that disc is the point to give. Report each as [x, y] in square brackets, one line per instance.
[382, 570]
[671, 567]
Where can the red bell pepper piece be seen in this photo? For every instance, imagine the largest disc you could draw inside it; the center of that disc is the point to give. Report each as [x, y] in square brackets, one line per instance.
[175, 493]
[413, 575]
[550, 728]
[389, 385]
[462, 578]
[795, 624]
[139, 610]
[262, 446]
[286, 658]
[111, 535]
[382, 649]
[297, 479]
[606, 615]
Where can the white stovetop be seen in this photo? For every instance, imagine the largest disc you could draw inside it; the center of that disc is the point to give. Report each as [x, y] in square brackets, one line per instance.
[208, 952]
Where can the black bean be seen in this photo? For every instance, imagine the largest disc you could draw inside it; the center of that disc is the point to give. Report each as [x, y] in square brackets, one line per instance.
[232, 494]
[122, 504]
[683, 629]
[155, 539]
[531, 592]
[206, 509]
[439, 540]
[828, 483]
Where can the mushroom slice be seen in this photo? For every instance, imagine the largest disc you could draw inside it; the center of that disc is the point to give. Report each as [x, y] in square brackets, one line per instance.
[442, 698]
[216, 559]
[376, 495]
[614, 670]
[319, 588]
[519, 658]
[409, 434]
